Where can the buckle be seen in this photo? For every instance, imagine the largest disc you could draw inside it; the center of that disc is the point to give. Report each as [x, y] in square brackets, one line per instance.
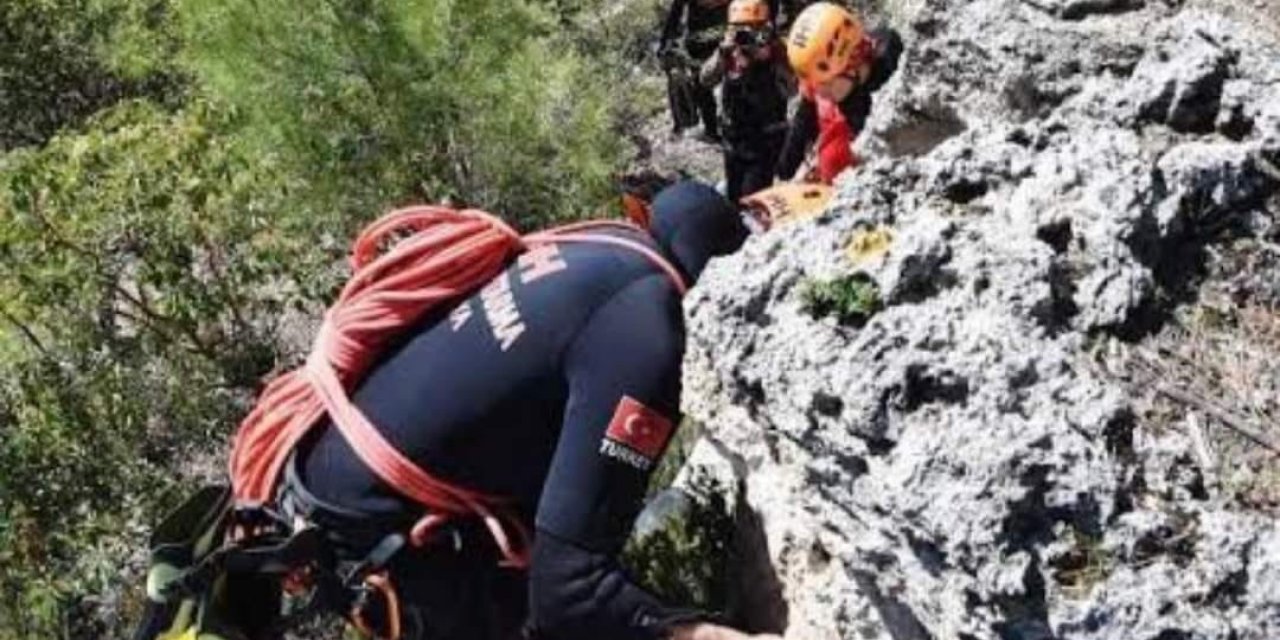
[377, 584]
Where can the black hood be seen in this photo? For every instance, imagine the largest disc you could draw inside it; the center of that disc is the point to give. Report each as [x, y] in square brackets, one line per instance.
[693, 223]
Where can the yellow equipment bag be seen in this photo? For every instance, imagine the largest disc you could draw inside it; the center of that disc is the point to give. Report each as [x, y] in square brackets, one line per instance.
[187, 590]
[186, 536]
[787, 203]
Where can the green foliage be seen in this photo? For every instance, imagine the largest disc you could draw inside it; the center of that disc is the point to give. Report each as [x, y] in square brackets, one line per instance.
[141, 39]
[686, 561]
[623, 33]
[190, 172]
[376, 100]
[852, 299]
[144, 267]
[56, 67]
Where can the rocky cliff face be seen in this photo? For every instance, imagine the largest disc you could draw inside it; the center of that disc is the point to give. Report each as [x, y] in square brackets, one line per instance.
[1047, 179]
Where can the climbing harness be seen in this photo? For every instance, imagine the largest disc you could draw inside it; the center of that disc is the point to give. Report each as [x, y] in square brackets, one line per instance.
[207, 581]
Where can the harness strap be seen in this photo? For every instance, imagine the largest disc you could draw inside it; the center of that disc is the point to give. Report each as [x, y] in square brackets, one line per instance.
[444, 499]
[569, 234]
[380, 584]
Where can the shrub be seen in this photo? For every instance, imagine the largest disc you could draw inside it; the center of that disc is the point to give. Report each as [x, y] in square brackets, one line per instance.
[375, 101]
[685, 561]
[144, 266]
[55, 68]
[681, 547]
[852, 299]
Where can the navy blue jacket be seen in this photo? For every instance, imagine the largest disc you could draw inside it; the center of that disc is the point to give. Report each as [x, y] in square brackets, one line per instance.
[556, 385]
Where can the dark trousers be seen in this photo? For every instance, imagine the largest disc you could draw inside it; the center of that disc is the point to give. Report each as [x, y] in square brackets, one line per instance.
[450, 595]
[704, 97]
[749, 164]
[706, 100]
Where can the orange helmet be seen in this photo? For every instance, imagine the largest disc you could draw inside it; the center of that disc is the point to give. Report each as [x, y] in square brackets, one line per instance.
[748, 12]
[823, 41]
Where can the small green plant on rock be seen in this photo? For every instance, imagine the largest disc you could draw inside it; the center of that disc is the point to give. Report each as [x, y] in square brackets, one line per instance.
[852, 299]
[1083, 566]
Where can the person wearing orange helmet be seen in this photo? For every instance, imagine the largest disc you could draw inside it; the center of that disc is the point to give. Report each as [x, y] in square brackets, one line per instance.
[839, 66]
[755, 81]
[698, 25]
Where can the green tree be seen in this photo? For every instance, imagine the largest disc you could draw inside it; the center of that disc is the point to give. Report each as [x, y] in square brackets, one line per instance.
[178, 180]
[145, 266]
[377, 101]
[57, 65]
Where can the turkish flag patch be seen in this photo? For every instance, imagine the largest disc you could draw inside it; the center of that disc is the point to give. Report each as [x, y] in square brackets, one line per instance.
[639, 428]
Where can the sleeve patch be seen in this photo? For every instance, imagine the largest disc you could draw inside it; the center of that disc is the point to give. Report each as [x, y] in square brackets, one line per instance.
[639, 428]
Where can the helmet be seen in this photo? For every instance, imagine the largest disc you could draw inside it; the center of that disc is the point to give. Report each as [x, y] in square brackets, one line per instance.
[749, 12]
[823, 40]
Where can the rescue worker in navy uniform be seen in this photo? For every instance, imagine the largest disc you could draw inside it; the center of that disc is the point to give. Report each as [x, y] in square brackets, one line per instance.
[839, 66]
[751, 67]
[556, 386]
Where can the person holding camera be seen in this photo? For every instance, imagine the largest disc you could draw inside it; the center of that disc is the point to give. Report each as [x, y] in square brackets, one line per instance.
[751, 67]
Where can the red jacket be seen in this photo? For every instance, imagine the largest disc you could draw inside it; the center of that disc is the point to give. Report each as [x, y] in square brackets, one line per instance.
[835, 140]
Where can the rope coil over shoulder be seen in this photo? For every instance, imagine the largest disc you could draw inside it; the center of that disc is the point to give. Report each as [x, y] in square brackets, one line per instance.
[447, 254]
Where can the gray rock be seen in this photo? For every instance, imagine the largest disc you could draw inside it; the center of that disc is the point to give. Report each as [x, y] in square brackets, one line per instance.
[1051, 173]
[1077, 9]
[1181, 82]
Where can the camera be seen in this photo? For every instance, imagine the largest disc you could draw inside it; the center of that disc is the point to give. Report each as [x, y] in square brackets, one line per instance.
[750, 39]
